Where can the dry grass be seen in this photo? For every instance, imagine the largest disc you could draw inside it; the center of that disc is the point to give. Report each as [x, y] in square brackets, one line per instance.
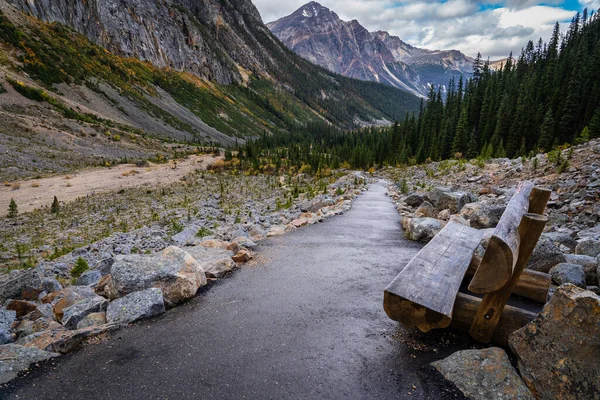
[130, 173]
[15, 186]
[68, 177]
[35, 185]
[6, 183]
[68, 184]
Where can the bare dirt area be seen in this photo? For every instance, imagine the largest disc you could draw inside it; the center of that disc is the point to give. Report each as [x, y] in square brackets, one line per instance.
[37, 193]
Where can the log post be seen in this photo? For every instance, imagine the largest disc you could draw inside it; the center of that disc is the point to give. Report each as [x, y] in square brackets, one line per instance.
[538, 200]
[532, 285]
[512, 318]
[499, 260]
[490, 311]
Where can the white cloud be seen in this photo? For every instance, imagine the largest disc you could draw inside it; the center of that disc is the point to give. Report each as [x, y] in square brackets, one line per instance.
[590, 4]
[465, 25]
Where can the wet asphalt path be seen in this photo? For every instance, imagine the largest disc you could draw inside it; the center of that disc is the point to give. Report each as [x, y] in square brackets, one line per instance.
[303, 322]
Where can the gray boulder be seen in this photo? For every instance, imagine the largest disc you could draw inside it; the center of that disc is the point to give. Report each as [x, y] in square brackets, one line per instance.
[558, 350]
[443, 199]
[89, 278]
[426, 210]
[18, 358]
[589, 264]
[173, 270]
[482, 216]
[423, 229]
[78, 311]
[15, 284]
[188, 237]
[568, 273]
[136, 306]
[414, 200]
[42, 311]
[483, 375]
[62, 340]
[93, 319]
[594, 289]
[560, 238]
[244, 242]
[105, 265]
[7, 317]
[545, 256]
[5, 337]
[214, 262]
[588, 247]
[27, 327]
[50, 285]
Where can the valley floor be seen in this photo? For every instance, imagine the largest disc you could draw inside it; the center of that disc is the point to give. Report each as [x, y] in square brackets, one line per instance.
[37, 193]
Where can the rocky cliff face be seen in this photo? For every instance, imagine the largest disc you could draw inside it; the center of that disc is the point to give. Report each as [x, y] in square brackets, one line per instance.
[450, 60]
[209, 38]
[319, 35]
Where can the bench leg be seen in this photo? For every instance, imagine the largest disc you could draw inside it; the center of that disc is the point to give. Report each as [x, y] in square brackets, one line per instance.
[512, 318]
[488, 315]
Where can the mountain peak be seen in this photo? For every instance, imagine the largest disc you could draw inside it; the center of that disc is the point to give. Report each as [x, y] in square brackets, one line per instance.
[313, 10]
[317, 33]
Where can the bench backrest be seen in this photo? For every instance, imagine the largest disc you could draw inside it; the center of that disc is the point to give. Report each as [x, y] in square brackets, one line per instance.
[498, 263]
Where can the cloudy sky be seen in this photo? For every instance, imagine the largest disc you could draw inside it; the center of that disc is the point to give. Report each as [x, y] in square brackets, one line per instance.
[493, 27]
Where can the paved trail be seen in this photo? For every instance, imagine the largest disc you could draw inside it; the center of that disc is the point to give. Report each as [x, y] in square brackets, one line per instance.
[304, 322]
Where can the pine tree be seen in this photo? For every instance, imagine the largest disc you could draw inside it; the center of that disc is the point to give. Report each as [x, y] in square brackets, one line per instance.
[583, 137]
[594, 125]
[477, 68]
[547, 132]
[461, 139]
[55, 208]
[473, 145]
[13, 210]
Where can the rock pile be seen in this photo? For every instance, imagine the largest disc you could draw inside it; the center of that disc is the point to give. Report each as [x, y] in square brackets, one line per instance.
[428, 197]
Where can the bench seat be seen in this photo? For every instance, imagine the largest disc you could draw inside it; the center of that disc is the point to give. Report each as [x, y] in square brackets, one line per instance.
[423, 294]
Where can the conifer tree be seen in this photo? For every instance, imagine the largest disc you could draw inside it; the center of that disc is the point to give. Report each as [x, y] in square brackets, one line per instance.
[547, 132]
[13, 209]
[460, 143]
[55, 207]
[594, 126]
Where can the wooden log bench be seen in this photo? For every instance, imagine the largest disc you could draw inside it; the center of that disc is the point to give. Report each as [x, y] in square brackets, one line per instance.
[426, 294]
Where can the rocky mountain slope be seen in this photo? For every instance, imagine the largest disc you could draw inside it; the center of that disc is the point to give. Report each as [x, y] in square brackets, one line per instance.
[319, 35]
[210, 72]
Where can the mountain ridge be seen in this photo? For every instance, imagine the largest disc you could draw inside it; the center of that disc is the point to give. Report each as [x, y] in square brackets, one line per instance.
[103, 68]
[318, 34]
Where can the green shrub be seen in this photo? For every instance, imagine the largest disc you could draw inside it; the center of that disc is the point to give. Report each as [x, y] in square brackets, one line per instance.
[563, 166]
[403, 187]
[78, 269]
[203, 232]
[176, 227]
[534, 164]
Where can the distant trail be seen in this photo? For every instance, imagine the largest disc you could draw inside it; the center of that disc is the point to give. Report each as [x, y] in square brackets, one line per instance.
[305, 321]
[36, 193]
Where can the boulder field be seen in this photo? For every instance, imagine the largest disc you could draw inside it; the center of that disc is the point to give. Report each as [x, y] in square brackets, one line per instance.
[44, 315]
